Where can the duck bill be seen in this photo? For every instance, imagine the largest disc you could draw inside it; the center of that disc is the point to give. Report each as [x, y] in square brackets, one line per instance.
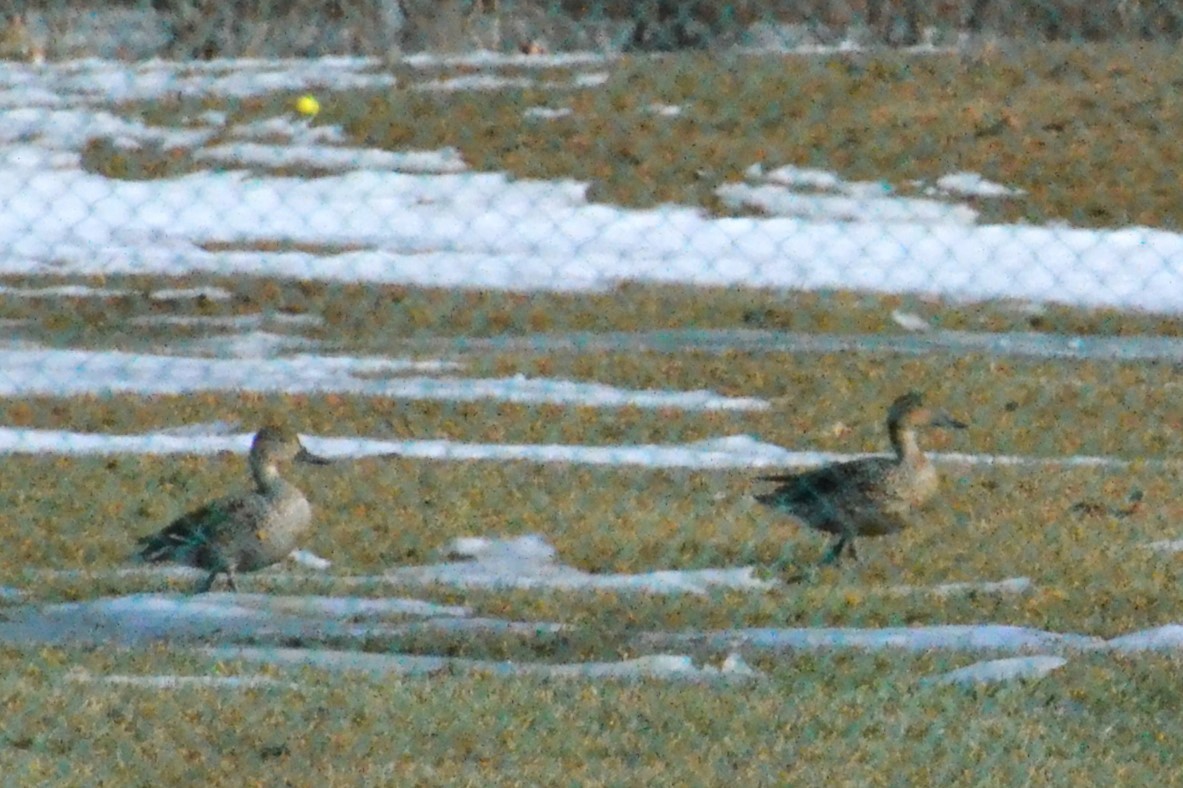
[309, 458]
[945, 420]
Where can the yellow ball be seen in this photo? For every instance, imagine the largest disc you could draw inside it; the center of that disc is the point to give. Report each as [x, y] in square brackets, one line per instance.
[307, 105]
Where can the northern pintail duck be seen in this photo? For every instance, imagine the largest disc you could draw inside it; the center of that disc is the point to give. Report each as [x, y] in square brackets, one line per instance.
[867, 497]
[242, 532]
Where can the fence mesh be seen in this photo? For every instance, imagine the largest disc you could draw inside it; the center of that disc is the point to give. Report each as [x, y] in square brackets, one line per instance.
[608, 392]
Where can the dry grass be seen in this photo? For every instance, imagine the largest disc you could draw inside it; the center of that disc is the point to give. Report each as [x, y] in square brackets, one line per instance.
[830, 402]
[373, 318]
[1092, 116]
[1085, 131]
[1092, 569]
[1095, 118]
[858, 718]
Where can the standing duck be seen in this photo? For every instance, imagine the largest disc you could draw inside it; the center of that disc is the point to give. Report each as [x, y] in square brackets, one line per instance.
[866, 497]
[242, 532]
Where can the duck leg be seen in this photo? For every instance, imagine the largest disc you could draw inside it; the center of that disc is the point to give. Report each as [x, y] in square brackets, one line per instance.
[834, 554]
[208, 583]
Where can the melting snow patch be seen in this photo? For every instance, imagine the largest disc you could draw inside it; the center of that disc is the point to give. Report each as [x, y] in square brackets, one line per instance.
[180, 682]
[999, 670]
[475, 82]
[310, 560]
[778, 201]
[452, 230]
[219, 427]
[253, 154]
[529, 563]
[589, 80]
[191, 293]
[229, 321]
[32, 372]
[738, 451]
[252, 345]
[970, 184]
[665, 110]
[1013, 585]
[10, 594]
[546, 113]
[910, 321]
[141, 618]
[353, 608]
[530, 547]
[969, 638]
[778, 193]
[1164, 638]
[64, 291]
[485, 58]
[1166, 546]
[801, 177]
[285, 128]
[670, 667]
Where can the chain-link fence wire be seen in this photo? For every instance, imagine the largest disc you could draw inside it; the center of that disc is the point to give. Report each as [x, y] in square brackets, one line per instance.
[278, 28]
[585, 300]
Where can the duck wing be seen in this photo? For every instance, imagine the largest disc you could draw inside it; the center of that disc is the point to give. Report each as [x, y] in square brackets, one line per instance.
[195, 530]
[856, 478]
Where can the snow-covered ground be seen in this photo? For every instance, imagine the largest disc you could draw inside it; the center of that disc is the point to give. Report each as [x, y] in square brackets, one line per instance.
[31, 371]
[736, 451]
[417, 219]
[423, 218]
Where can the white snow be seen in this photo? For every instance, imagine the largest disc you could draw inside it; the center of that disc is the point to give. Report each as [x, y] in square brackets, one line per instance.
[529, 563]
[483, 58]
[1164, 638]
[179, 682]
[352, 608]
[256, 320]
[420, 218]
[1166, 546]
[665, 110]
[253, 154]
[739, 451]
[10, 594]
[455, 231]
[54, 372]
[63, 291]
[99, 82]
[191, 293]
[525, 562]
[971, 184]
[476, 82]
[1012, 585]
[310, 560]
[779, 192]
[252, 344]
[998, 638]
[1000, 670]
[799, 177]
[484, 230]
[284, 127]
[217, 427]
[225, 617]
[546, 113]
[669, 667]
[779, 201]
[910, 321]
[591, 79]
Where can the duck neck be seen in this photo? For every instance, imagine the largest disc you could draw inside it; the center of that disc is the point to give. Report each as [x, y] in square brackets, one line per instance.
[903, 440]
[267, 478]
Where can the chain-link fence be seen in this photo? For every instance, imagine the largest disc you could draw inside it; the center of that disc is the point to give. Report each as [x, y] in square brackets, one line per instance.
[555, 392]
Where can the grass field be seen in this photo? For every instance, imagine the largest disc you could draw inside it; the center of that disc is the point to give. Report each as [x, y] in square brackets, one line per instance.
[1086, 132]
